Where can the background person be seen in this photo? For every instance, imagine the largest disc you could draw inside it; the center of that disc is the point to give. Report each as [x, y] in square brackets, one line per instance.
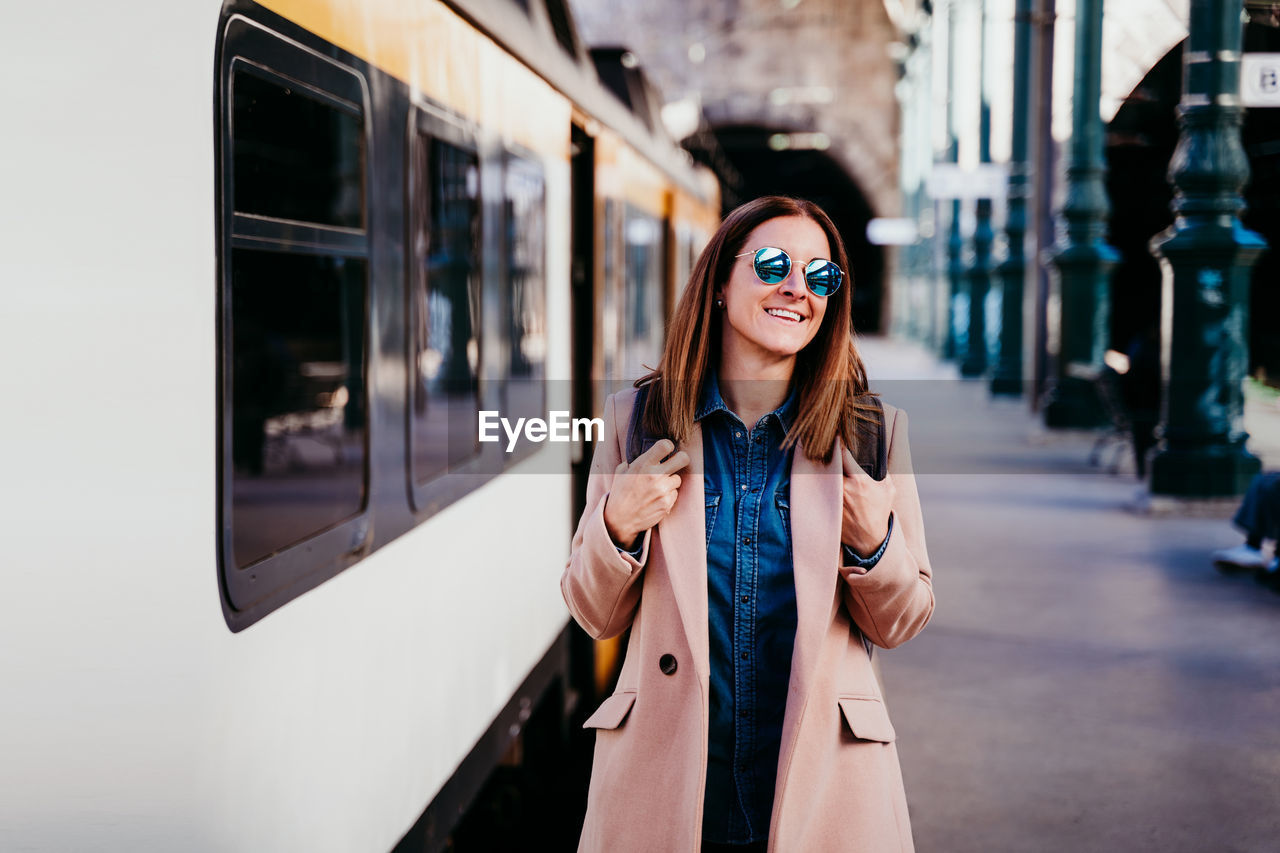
[1259, 518]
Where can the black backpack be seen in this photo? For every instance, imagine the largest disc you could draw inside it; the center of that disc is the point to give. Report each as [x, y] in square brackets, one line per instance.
[873, 449]
[872, 455]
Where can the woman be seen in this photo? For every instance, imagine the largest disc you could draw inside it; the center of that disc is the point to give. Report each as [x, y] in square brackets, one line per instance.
[729, 527]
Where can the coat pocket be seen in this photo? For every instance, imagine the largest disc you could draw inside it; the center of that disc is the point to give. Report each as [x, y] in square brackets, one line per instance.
[612, 711]
[867, 718]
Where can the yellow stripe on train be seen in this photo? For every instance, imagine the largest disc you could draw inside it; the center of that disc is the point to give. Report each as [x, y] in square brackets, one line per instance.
[441, 56]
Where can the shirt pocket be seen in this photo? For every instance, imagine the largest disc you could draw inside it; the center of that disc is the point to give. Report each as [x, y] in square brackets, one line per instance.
[783, 502]
[713, 509]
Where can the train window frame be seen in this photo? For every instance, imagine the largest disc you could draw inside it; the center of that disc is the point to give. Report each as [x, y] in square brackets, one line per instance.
[611, 290]
[526, 159]
[654, 299]
[247, 47]
[427, 497]
[562, 26]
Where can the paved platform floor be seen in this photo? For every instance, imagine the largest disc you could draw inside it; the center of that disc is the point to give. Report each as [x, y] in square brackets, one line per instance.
[1088, 681]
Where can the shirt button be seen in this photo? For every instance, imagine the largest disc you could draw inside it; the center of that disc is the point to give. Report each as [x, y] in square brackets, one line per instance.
[744, 487]
[745, 599]
[667, 663]
[742, 713]
[737, 435]
[744, 655]
[746, 540]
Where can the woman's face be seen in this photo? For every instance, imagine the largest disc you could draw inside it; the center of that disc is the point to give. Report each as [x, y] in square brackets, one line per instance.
[764, 323]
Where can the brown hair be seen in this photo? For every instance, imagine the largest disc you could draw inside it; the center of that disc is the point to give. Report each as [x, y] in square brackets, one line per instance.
[829, 375]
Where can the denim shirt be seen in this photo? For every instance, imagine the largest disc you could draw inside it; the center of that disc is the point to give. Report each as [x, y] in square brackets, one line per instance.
[751, 611]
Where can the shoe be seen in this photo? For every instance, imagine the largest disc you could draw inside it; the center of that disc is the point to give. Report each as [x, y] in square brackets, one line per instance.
[1269, 575]
[1239, 558]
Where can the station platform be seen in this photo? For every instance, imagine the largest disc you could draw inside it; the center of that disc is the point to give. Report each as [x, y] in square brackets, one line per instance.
[1089, 682]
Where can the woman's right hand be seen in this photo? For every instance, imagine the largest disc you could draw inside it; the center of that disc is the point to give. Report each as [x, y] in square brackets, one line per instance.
[643, 492]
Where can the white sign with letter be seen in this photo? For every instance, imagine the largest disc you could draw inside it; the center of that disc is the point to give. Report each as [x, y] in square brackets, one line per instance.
[1260, 79]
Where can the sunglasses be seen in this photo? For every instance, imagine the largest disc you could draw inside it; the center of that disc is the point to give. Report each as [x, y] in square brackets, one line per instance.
[773, 265]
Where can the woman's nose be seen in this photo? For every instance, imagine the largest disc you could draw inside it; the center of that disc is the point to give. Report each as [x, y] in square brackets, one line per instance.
[793, 285]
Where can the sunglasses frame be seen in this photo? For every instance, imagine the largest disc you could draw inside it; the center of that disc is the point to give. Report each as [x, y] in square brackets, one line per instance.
[755, 268]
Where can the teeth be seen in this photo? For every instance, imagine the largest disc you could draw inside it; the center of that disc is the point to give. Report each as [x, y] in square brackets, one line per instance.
[782, 312]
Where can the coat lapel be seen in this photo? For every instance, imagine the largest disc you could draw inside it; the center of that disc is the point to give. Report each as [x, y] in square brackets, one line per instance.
[816, 501]
[682, 539]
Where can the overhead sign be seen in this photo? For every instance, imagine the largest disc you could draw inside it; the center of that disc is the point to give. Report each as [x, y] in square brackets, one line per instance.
[1260, 79]
[892, 232]
[949, 180]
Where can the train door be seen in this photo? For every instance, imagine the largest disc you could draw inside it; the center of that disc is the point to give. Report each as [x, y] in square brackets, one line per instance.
[583, 311]
[585, 401]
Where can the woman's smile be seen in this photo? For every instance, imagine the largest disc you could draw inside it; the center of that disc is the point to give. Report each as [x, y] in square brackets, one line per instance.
[785, 314]
[764, 322]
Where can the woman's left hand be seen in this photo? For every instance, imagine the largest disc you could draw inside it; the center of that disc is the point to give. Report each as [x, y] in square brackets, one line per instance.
[867, 504]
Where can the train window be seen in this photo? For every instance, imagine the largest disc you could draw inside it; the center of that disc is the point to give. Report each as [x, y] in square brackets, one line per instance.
[685, 257]
[524, 302]
[445, 307]
[297, 397]
[609, 304]
[562, 25]
[294, 294]
[296, 156]
[643, 282]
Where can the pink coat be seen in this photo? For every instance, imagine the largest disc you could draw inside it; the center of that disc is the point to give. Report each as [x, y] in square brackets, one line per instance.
[839, 786]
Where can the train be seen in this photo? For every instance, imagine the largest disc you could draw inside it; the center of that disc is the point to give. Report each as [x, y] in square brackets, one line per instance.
[266, 263]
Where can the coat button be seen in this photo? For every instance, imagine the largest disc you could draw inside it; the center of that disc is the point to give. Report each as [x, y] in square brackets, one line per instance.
[667, 663]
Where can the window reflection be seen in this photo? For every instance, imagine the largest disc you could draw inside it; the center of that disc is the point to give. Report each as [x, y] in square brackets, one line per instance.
[446, 307]
[609, 333]
[642, 320]
[298, 406]
[295, 156]
[525, 305]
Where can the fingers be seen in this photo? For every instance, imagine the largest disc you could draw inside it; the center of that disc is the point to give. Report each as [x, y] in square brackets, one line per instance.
[674, 463]
[654, 454]
[670, 501]
[652, 460]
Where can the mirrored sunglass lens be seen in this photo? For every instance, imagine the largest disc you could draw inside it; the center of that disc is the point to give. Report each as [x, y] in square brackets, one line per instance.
[772, 265]
[824, 277]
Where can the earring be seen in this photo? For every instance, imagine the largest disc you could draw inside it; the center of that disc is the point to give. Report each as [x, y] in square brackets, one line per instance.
[719, 303]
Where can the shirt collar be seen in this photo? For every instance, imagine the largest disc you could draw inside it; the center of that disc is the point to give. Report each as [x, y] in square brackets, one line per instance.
[713, 402]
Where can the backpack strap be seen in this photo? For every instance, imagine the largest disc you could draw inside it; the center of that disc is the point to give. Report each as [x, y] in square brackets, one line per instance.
[873, 447]
[873, 456]
[637, 441]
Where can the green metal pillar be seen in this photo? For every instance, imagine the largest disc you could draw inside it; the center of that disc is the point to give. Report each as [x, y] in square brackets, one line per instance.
[955, 282]
[1206, 256]
[1013, 272]
[955, 241]
[920, 253]
[908, 312]
[978, 275]
[1083, 259]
